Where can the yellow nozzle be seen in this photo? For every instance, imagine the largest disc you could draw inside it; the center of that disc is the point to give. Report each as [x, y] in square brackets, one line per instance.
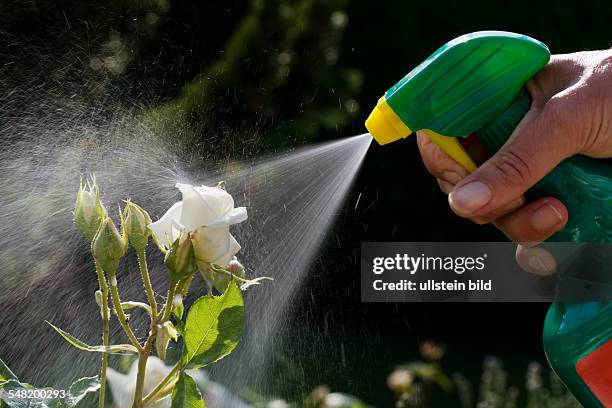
[384, 124]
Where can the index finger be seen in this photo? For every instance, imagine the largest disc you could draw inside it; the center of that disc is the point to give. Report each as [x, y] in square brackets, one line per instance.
[437, 162]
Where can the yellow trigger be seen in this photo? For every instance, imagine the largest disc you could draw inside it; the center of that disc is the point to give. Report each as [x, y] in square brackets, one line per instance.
[452, 147]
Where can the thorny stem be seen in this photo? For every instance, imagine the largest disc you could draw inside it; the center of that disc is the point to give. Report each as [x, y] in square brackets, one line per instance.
[144, 352]
[146, 280]
[168, 306]
[142, 367]
[105, 334]
[121, 314]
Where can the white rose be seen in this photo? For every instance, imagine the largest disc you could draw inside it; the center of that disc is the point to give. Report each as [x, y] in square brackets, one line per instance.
[207, 213]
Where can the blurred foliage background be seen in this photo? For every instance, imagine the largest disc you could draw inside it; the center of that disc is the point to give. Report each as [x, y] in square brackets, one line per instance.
[244, 77]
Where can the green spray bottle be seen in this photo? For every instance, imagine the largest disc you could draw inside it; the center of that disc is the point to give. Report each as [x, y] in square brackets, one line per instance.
[470, 92]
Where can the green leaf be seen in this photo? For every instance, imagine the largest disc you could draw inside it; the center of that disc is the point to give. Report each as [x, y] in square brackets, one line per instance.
[213, 327]
[76, 393]
[80, 389]
[6, 401]
[6, 373]
[115, 349]
[186, 394]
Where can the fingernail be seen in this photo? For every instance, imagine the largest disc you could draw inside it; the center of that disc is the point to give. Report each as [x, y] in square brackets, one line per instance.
[470, 197]
[546, 217]
[539, 265]
[451, 177]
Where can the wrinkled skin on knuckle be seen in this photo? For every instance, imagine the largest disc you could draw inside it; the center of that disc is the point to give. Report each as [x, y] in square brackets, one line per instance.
[564, 115]
[508, 170]
[428, 154]
[560, 73]
[565, 93]
[433, 159]
[582, 109]
[597, 99]
[438, 163]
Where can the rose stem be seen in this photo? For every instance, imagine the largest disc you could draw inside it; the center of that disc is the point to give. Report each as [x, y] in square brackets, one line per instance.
[167, 309]
[120, 313]
[146, 280]
[105, 334]
[143, 356]
[144, 352]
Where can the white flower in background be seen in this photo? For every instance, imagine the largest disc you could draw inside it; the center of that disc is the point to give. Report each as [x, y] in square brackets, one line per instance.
[338, 400]
[123, 386]
[206, 213]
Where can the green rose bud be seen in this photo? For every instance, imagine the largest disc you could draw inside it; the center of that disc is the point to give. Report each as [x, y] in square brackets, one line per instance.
[98, 296]
[88, 210]
[108, 246]
[165, 333]
[180, 259]
[136, 221]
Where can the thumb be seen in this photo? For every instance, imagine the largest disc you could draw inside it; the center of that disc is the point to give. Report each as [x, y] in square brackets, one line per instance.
[540, 142]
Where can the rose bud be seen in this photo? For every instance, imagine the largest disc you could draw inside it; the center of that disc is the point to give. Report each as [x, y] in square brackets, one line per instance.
[136, 225]
[98, 297]
[180, 259]
[236, 268]
[108, 246]
[165, 333]
[88, 210]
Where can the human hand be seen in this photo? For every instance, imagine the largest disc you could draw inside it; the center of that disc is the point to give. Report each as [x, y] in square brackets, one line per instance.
[571, 114]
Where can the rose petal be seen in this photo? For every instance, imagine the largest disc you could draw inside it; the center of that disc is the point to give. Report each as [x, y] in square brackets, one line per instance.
[234, 216]
[232, 249]
[215, 245]
[167, 228]
[204, 206]
[220, 199]
[197, 210]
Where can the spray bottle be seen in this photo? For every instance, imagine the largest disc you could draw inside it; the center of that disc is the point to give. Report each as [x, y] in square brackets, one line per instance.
[471, 92]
